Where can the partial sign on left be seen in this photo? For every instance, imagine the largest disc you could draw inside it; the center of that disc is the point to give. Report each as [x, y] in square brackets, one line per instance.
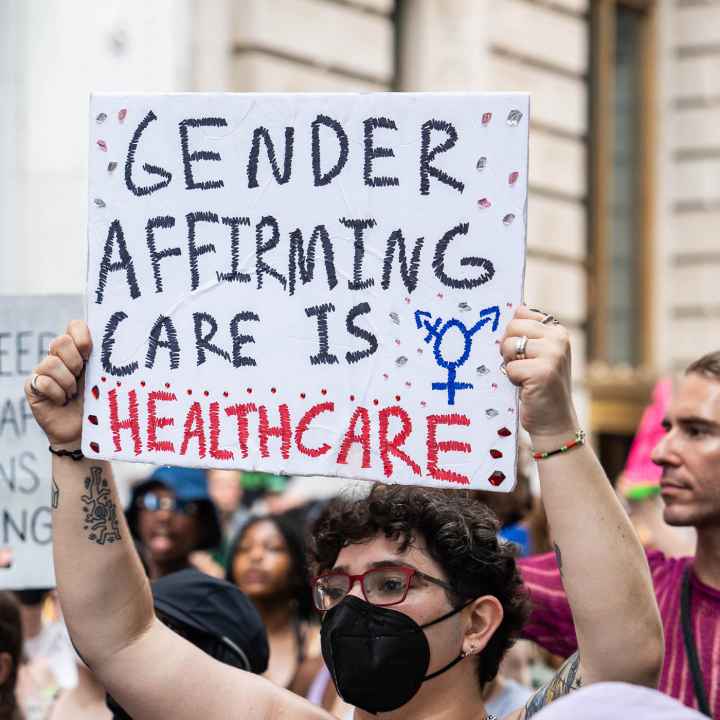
[27, 325]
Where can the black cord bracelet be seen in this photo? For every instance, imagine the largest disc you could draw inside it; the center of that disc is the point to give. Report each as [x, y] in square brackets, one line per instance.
[75, 455]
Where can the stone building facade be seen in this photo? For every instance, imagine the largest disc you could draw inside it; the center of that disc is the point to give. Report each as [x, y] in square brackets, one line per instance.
[624, 149]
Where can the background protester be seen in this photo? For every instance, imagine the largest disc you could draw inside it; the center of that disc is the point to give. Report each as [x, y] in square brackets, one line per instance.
[687, 588]
[46, 638]
[171, 516]
[11, 640]
[639, 482]
[226, 491]
[267, 562]
[214, 616]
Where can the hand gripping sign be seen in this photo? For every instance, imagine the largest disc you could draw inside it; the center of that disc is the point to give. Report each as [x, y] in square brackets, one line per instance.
[307, 284]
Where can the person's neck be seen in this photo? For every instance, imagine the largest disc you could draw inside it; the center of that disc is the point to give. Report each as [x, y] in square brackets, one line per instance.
[161, 568]
[707, 556]
[454, 695]
[276, 615]
[31, 620]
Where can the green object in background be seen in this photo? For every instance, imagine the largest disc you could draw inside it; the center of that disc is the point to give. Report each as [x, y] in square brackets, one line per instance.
[637, 493]
[264, 481]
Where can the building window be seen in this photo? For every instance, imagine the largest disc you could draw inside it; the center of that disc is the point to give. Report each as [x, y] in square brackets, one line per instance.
[621, 149]
[620, 193]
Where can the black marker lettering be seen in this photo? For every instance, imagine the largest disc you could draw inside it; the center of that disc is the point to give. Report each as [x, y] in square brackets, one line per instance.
[320, 178]
[149, 169]
[428, 155]
[372, 152]
[115, 235]
[263, 134]
[191, 157]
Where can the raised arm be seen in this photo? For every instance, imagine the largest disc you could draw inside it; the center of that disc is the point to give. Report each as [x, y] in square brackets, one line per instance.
[603, 566]
[105, 595]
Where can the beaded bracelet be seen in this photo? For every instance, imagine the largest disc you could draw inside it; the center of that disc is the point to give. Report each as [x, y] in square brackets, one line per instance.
[577, 441]
[75, 455]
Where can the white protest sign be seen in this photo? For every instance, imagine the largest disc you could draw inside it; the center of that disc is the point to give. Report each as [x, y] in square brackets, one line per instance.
[307, 284]
[27, 324]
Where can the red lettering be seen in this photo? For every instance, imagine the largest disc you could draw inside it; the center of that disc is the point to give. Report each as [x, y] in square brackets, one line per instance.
[156, 423]
[282, 431]
[304, 425]
[351, 437]
[215, 451]
[194, 428]
[241, 413]
[131, 423]
[434, 448]
[392, 447]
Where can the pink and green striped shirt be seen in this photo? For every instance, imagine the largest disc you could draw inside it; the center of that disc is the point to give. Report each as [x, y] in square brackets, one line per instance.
[551, 624]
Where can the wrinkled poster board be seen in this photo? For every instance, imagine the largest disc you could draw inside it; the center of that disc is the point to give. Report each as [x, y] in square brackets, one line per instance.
[307, 284]
[27, 324]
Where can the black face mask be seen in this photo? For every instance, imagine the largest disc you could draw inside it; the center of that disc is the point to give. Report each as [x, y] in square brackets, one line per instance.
[378, 657]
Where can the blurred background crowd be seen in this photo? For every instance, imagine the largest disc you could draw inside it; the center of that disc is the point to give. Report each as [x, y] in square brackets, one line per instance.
[201, 536]
[624, 193]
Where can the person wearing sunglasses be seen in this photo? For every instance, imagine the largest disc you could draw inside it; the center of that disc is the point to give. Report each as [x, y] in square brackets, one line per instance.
[419, 598]
[171, 516]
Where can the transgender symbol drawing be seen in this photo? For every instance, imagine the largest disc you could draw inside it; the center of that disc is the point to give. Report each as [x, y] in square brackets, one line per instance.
[436, 332]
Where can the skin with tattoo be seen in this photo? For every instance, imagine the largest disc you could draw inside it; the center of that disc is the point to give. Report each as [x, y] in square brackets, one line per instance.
[558, 557]
[108, 605]
[101, 522]
[54, 495]
[566, 679]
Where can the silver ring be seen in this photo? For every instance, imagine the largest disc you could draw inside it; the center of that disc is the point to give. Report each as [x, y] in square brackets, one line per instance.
[549, 319]
[33, 384]
[520, 345]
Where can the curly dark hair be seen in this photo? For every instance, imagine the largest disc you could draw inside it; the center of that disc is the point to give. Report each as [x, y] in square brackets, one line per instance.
[460, 534]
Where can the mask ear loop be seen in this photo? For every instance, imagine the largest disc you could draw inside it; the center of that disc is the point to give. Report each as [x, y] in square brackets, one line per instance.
[451, 664]
[462, 655]
[452, 612]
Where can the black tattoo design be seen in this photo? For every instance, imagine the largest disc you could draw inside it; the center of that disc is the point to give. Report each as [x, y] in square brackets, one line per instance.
[54, 495]
[558, 558]
[566, 679]
[99, 508]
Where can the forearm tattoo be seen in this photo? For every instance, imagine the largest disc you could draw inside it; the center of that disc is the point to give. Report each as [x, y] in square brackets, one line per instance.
[558, 557]
[99, 508]
[54, 495]
[566, 679]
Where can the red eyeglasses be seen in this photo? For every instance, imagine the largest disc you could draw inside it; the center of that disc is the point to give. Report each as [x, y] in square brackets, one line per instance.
[386, 585]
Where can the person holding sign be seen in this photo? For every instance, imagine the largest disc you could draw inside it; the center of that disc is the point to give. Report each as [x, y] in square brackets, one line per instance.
[419, 599]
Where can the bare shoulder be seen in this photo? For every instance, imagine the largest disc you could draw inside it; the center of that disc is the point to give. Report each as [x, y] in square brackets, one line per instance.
[565, 680]
[162, 675]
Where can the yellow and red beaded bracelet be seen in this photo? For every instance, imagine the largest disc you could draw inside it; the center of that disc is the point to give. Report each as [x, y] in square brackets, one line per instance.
[577, 441]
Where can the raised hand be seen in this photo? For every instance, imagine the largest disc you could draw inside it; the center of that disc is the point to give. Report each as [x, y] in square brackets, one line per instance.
[54, 390]
[543, 374]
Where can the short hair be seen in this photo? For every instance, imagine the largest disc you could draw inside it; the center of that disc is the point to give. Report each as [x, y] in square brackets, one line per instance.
[708, 366]
[461, 535]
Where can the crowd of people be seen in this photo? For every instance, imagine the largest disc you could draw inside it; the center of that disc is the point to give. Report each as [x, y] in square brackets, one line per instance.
[223, 599]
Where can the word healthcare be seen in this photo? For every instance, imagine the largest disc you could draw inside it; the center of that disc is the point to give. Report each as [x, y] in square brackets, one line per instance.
[307, 284]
